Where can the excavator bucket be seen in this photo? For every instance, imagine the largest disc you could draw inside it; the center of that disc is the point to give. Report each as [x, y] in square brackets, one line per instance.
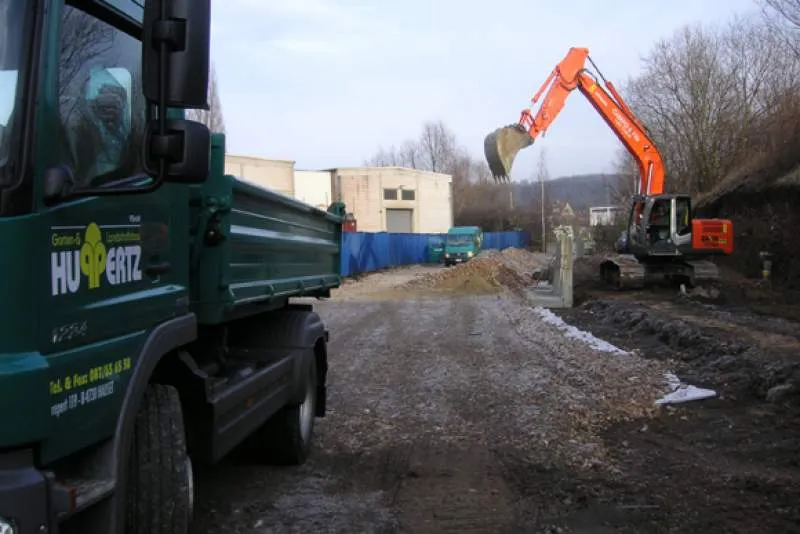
[501, 147]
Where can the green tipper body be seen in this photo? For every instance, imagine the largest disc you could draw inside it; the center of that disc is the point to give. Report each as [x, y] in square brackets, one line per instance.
[253, 247]
[90, 277]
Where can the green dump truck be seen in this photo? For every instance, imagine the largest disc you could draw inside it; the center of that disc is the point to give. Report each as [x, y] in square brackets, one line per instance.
[146, 314]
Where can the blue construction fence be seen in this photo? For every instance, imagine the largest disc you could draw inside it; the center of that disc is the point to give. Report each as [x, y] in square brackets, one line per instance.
[364, 252]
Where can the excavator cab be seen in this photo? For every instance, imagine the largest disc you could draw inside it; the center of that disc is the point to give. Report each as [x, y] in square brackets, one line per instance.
[659, 225]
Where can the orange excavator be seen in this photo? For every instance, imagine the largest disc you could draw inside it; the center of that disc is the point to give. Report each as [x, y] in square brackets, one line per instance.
[663, 241]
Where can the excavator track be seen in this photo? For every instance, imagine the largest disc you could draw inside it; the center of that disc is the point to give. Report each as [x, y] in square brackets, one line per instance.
[623, 271]
[702, 272]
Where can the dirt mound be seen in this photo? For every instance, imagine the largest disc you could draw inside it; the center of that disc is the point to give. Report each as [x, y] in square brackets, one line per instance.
[522, 261]
[490, 271]
[479, 275]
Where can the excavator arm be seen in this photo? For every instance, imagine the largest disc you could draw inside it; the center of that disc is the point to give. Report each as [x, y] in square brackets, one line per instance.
[502, 145]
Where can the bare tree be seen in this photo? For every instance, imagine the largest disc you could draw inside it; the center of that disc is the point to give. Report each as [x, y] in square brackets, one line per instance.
[409, 155]
[437, 147]
[476, 198]
[626, 185]
[788, 10]
[383, 158]
[212, 117]
[701, 96]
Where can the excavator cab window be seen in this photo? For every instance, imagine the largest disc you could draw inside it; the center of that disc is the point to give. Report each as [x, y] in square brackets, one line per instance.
[658, 224]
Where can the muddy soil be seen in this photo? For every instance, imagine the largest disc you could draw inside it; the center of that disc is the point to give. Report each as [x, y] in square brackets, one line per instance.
[476, 413]
[729, 464]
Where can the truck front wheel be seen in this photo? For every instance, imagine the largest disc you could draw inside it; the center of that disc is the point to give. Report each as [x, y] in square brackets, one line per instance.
[160, 492]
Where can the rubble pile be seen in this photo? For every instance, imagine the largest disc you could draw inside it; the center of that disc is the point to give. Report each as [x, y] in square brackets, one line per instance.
[491, 271]
[525, 263]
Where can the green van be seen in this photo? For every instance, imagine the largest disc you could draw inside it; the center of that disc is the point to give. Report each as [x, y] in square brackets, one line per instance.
[462, 244]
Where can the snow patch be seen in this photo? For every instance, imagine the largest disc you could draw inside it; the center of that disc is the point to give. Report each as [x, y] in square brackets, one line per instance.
[575, 333]
[677, 391]
[680, 392]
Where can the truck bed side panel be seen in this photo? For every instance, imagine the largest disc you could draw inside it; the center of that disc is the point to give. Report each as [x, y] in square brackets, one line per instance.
[255, 247]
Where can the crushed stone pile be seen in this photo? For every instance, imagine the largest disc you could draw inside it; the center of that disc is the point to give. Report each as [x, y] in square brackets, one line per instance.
[492, 270]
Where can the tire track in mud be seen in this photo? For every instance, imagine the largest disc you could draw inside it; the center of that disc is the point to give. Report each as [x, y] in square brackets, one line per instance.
[453, 482]
[338, 489]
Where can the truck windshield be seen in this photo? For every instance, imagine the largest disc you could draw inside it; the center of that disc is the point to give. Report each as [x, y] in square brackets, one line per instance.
[459, 239]
[12, 23]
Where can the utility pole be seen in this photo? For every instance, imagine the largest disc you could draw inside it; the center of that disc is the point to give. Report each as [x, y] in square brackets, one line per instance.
[542, 172]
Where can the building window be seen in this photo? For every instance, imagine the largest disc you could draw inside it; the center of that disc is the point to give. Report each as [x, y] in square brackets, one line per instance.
[390, 194]
[408, 194]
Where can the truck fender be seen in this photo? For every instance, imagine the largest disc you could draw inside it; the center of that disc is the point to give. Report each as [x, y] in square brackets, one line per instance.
[163, 339]
[299, 329]
[296, 330]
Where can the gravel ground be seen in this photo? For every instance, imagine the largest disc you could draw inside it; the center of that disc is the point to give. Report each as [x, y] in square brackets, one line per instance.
[438, 408]
[455, 406]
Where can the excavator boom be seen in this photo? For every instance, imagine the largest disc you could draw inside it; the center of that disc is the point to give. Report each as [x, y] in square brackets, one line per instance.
[502, 146]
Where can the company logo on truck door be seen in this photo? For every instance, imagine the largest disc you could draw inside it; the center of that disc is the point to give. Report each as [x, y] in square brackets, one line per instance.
[92, 255]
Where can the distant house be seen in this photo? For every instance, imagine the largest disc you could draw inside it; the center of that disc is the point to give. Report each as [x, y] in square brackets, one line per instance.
[562, 213]
[604, 215]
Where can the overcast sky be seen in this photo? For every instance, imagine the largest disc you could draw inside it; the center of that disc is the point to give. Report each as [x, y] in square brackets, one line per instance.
[325, 82]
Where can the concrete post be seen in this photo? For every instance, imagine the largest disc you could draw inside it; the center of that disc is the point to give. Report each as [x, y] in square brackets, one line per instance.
[563, 276]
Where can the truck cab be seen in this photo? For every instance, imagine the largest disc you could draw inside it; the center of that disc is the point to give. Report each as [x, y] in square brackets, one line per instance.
[462, 244]
[146, 315]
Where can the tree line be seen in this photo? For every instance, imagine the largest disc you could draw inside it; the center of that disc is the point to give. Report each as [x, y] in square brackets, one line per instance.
[720, 101]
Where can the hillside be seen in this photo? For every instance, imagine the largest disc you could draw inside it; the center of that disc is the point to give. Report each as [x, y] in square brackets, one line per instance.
[762, 203]
[581, 191]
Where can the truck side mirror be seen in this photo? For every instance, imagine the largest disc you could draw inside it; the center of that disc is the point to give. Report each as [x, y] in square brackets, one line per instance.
[175, 73]
[185, 150]
[176, 44]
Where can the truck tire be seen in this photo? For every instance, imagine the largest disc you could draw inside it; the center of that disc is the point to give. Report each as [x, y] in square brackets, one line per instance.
[160, 496]
[292, 429]
[285, 439]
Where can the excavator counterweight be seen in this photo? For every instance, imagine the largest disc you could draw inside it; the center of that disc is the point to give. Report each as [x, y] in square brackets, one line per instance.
[501, 147]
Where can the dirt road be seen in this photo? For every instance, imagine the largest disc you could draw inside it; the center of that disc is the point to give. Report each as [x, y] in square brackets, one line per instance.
[478, 413]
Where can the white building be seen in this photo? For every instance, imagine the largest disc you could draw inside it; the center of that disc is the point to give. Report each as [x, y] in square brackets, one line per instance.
[603, 215]
[381, 199]
[274, 174]
[313, 187]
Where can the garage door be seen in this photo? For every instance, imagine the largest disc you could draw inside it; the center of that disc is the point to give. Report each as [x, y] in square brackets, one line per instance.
[399, 221]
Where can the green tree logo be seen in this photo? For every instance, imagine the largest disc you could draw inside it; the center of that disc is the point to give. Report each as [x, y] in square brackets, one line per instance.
[93, 255]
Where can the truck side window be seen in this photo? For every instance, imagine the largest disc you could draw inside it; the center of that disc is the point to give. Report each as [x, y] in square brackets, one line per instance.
[101, 107]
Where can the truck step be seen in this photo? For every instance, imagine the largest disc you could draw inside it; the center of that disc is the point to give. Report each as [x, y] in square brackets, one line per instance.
[78, 494]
